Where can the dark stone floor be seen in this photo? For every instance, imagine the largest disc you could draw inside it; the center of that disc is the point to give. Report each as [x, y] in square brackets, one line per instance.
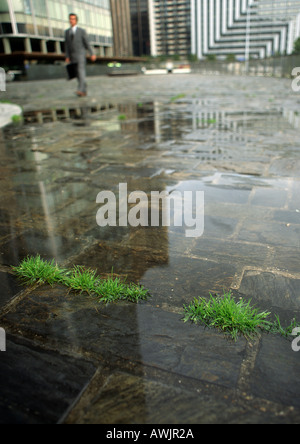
[72, 360]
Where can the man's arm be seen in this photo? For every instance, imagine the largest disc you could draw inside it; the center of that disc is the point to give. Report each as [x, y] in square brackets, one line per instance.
[87, 45]
[67, 49]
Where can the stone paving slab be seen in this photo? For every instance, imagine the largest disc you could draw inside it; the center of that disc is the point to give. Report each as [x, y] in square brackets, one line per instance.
[38, 385]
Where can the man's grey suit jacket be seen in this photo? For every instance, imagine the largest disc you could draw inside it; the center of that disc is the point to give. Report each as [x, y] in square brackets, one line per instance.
[77, 47]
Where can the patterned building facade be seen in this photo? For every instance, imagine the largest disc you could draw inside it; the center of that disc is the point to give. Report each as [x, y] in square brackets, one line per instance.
[244, 28]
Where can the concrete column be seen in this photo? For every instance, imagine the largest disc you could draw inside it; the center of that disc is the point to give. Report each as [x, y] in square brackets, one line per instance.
[44, 47]
[152, 28]
[28, 45]
[12, 16]
[7, 47]
[58, 48]
[109, 51]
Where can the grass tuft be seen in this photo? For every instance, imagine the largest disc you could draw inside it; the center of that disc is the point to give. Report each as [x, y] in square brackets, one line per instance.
[79, 279]
[35, 270]
[83, 280]
[113, 288]
[179, 96]
[233, 318]
[276, 327]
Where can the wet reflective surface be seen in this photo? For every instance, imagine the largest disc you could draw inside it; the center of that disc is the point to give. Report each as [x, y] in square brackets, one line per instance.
[141, 361]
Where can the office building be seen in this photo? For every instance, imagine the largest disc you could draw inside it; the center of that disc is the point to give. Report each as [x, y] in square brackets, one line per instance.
[139, 11]
[244, 28]
[170, 27]
[37, 26]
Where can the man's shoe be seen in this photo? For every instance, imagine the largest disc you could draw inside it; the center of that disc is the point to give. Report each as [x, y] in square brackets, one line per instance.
[81, 94]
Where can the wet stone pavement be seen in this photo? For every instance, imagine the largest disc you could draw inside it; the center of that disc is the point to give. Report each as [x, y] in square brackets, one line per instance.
[72, 360]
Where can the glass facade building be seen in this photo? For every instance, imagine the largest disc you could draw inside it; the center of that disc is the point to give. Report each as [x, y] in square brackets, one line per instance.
[39, 25]
[139, 12]
[244, 28]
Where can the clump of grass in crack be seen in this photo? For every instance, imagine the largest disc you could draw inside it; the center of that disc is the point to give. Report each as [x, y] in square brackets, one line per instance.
[113, 288]
[226, 314]
[178, 97]
[79, 279]
[135, 293]
[233, 318]
[276, 327]
[35, 270]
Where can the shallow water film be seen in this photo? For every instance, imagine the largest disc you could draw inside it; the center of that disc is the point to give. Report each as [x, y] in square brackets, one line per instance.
[236, 143]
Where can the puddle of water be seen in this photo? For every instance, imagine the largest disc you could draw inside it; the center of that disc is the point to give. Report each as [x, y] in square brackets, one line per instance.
[57, 170]
[60, 114]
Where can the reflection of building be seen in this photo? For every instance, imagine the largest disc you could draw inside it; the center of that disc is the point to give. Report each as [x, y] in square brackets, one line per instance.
[170, 24]
[121, 28]
[256, 28]
[39, 25]
[139, 11]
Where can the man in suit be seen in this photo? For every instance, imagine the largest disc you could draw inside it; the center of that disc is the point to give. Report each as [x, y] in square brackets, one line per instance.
[76, 46]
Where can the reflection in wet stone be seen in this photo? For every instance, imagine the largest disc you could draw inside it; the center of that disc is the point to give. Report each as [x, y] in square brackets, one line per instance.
[186, 278]
[139, 250]
[247, 163]
[9, 287]
[136, 333]
[33, 242]
[26, 367]
[272, 290]
[190, 139]
[276, 373]
[151, 402]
